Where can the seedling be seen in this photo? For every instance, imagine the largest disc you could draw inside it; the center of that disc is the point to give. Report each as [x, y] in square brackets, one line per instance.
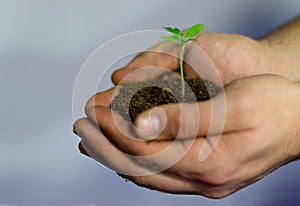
[182, 39]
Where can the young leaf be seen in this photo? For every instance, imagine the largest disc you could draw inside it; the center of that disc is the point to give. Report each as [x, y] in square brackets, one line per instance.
[179, 38]
[194, 30]
[191, 39]
[173, 39]
[172, 30]
[175, 31]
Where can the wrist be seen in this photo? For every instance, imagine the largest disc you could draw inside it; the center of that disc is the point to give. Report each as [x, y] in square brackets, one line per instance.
[294, 143]
[297, 84]
[280, 60]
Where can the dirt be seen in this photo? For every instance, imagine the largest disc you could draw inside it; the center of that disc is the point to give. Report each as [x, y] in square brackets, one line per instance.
[135, 98]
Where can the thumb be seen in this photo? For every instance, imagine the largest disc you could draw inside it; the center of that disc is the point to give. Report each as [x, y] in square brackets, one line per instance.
[173, 121]
[188, 120]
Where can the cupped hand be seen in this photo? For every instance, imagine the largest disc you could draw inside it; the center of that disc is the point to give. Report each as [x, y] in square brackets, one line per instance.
[234, 56]
[261, 133]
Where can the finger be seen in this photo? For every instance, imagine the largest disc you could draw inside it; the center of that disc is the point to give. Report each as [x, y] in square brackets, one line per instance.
[163, 55]
[158, 155]
[120, 131]
[216, 116]
[169, 183]
[102, 98]
[217, 169]
[100, 149]
[163, 181]
[187, 176]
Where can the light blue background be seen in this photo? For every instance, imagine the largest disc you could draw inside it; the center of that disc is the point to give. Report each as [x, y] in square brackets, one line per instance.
[43, 44]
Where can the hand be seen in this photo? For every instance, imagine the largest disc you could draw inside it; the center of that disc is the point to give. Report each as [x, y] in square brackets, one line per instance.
[261, 133]
[235, 56]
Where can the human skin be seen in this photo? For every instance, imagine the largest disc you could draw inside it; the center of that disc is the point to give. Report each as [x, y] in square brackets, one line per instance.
[261, 131]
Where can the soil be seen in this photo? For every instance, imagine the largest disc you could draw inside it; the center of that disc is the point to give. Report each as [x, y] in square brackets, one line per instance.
[135, 98]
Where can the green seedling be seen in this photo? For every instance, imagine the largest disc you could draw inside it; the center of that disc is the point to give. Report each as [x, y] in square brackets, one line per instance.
[182, 39]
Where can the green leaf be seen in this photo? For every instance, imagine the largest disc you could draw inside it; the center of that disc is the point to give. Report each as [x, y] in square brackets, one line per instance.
[191, 39]
[175, 31]
[194, 30]
[173, 39]
[172, 30]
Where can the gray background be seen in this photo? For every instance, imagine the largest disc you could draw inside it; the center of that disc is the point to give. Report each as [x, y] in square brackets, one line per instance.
[43, 44]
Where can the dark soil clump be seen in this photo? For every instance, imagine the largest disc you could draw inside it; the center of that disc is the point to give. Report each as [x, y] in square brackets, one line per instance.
[135, 98]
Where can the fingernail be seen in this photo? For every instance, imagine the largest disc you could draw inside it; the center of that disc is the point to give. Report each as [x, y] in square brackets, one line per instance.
[148, 126]
[82, 150]
[75, 131]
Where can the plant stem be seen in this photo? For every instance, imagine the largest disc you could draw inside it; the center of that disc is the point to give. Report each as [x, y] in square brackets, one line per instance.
[182, 46]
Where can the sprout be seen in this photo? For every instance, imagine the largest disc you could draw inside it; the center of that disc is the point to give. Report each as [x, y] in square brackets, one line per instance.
[178, 37]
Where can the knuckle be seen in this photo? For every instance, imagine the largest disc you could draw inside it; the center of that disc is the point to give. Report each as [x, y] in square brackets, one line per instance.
[242, 48]
[79, 123]
[247, 45]
[245, 103]
[218, 185]
[91, 102]
[189, 123]
[216, 194]
[175, 123]
[140, 181]
[218, 177]
[242, 103]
